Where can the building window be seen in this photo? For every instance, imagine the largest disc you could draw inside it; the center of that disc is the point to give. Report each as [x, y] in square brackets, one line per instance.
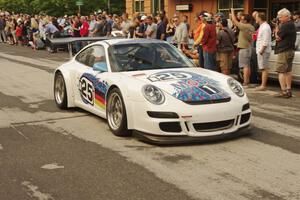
[276, 6]
[138, 5]
[225, 5]
[261, 6]
[157, 6]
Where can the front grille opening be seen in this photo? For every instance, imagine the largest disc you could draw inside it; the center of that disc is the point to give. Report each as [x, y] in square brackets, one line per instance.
[208, 101]
[246, 107]
[213, 126]
[173, 127]
[162, 115]
[187, 127]
[237, 120]
[245, 118]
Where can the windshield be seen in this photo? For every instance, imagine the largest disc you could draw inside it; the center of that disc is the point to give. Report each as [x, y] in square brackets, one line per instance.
[146, 56]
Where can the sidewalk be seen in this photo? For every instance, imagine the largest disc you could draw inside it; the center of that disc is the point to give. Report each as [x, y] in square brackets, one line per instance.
[37, 54]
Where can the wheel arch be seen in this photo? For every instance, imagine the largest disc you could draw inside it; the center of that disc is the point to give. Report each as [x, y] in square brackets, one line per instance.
[67, 78]
[126, 102]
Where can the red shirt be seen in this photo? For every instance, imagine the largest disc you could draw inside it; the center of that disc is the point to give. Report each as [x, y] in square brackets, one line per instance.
[18, 31]
[209, 40]
[84, 29]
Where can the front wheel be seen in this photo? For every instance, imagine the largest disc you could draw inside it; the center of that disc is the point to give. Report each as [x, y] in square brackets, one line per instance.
[116, 114]
[60, 92]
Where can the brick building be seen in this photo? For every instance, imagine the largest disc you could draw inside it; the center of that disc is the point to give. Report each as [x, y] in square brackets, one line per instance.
[191, 7]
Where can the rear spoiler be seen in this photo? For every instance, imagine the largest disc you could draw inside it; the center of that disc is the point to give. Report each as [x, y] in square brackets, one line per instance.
[71, 40]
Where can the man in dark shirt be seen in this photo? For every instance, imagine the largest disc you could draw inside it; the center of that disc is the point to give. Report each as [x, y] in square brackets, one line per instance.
[140, 28]
[285, 48]
[102, 27]
[161, 28]
[76, 27]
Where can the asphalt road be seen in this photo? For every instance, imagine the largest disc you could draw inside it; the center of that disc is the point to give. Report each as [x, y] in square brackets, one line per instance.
[47, 154]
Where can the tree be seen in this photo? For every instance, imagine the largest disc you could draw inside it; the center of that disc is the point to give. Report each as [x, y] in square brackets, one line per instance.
[60, 7]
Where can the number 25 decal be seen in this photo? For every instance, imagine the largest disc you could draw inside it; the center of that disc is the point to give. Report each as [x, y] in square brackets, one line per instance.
[86, 89]
[169, 76]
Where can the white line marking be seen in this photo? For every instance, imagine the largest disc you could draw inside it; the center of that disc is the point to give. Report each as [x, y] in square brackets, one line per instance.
[52, 166]
[32, 191]
[19, 132]
[1, 147]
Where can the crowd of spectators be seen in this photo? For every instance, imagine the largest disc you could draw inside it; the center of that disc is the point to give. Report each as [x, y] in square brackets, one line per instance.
[212, 44]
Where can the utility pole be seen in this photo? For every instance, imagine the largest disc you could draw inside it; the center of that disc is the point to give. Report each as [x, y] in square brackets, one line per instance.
[108, 6]
[79, 3]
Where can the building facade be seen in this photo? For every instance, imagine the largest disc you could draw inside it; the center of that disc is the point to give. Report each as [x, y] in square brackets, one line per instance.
[191, 7]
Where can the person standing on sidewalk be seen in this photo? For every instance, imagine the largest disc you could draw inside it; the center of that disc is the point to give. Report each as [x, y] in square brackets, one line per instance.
[296, 18]
[225, 47]
[181, 35]
[244, 44]
[209, 43]
[198, 34]
[161, 28]
[84, 29]
[263, 48]
[285, 35]
[2, 29]
[151, 30]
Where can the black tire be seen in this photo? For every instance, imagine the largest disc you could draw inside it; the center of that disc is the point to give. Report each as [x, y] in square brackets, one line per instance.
[121, 129]
[62, 101]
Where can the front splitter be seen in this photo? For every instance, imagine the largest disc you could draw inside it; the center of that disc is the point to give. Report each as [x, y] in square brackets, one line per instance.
[173, 140]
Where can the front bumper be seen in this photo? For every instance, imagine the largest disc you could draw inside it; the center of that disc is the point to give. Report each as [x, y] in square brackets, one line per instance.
[184, 139]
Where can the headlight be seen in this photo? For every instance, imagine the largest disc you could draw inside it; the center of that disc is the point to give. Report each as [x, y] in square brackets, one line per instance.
[236, 87]
[153, 94]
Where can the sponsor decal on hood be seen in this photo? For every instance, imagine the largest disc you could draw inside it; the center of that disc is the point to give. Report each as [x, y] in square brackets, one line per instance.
[190, 87]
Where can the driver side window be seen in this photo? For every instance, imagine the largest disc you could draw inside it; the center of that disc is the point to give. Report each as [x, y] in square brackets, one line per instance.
[98, 61]
[84, 57]
[94, 57]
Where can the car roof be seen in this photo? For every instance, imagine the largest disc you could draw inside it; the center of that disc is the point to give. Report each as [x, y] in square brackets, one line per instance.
[131, 41]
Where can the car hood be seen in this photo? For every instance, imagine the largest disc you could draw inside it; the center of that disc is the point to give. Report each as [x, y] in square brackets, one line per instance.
[191, 85]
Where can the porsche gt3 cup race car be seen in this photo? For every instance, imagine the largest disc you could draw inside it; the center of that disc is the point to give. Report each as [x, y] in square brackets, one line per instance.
[148, 87]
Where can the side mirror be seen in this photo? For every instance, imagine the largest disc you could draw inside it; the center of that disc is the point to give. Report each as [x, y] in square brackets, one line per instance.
[100, 66]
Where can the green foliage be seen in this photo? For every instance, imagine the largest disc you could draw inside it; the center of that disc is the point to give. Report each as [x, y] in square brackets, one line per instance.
[60, 7]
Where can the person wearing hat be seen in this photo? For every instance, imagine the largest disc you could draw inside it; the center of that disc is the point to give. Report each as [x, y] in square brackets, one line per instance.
[209, 43]
[140, 30]
[296, 18]
[218, 17]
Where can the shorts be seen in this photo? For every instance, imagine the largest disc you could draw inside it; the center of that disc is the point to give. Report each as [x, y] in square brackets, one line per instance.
[263, 61]
[245, 57]
[225, 60]
[284, 61]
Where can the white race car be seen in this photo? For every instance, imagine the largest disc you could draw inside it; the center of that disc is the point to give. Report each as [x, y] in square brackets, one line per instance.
[149, 88]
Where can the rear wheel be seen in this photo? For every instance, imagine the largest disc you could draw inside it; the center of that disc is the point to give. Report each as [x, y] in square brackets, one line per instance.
[60, 92]
[116, 113]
